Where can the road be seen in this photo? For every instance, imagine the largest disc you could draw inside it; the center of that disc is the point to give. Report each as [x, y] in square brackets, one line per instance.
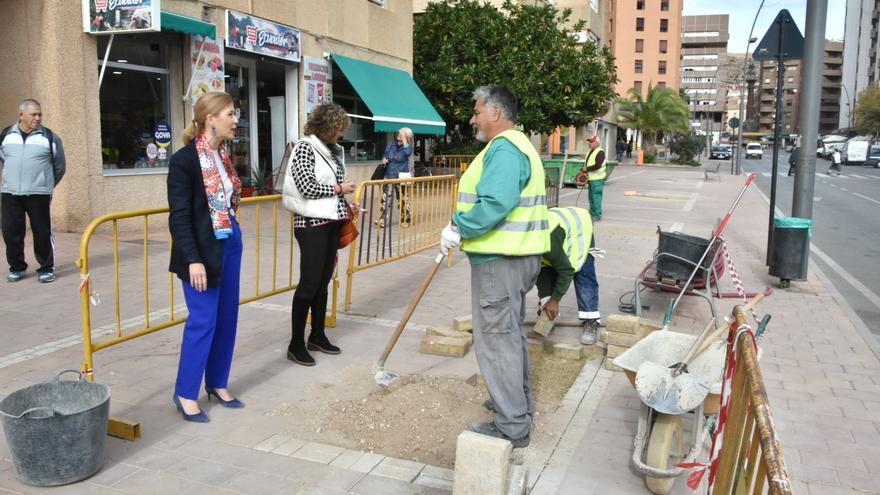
[846, 228]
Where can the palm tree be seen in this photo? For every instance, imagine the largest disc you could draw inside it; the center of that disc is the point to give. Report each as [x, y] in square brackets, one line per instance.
[661, 110]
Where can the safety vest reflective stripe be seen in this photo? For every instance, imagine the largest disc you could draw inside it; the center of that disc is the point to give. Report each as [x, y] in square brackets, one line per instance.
[525, 230]
[523, 201]
[591, 161]
[578, 233]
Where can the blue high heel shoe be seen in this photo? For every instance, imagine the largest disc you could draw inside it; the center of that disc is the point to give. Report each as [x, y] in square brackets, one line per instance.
[233, 403]
[199, 417]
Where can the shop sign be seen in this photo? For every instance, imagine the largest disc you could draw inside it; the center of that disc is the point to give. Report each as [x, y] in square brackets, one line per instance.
[207, 70]
[257, 35]
[162, 133]
[318, 77]
[120, 16]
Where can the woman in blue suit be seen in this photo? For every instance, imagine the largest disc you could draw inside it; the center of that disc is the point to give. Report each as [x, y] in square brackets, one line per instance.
[203, 195]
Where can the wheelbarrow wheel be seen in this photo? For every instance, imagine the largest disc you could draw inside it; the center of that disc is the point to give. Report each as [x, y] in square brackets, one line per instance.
[664, 450]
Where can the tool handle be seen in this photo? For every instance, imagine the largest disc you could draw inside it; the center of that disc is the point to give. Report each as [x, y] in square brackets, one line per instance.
[410, 309]
[717, 333]
[697, 344]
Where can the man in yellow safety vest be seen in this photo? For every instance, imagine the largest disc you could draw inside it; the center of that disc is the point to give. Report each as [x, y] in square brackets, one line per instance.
[595, 170]
[501, 223]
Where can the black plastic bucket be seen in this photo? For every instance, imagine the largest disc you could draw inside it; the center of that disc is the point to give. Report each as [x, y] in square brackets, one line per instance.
[790, 252]
[688, 247]
[56, 431]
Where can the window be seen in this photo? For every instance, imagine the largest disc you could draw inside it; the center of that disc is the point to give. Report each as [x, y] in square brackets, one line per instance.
[700, 34]
[664, 5]
[705, 56]
[702, 68]
[640, 46]
[637, 86]
[664, 47]
[638, 67]
[661, 67]
[133, 97]
[640, 4]
[378, 2]
[640, 23]
[664, 25]
[661, 84]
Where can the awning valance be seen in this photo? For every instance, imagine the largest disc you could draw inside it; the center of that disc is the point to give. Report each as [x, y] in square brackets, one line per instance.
[392, 96]
[187, 25]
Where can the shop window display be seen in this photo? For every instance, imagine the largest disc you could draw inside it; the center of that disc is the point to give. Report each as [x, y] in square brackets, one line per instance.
[134, 98]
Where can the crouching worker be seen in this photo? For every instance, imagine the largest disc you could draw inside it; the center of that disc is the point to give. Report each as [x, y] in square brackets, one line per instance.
[571, 237]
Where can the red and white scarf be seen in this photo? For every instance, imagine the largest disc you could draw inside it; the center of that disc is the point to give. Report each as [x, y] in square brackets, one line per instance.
[220, 217]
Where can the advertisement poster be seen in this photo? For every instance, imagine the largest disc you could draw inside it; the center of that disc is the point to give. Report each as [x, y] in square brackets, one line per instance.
[318, 78]
[257, 35]
[120, 16]
[208, 69]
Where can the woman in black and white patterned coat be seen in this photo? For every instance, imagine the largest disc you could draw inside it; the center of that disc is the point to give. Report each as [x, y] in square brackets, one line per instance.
[315, 189]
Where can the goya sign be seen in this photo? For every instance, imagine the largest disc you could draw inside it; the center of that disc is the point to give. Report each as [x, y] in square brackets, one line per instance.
[257, 35]
[120, 16]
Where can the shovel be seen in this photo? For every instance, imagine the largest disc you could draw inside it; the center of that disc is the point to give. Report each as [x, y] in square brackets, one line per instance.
[385, 377]
[671, 390]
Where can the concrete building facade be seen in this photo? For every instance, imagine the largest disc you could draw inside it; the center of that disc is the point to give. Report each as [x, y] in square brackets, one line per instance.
[645, 37]
[860, 47]
[830, 109]
[704, 70]
[148, 74]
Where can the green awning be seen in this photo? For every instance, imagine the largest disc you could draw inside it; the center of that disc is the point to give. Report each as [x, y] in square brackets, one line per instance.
[392, 96]
[187, 25]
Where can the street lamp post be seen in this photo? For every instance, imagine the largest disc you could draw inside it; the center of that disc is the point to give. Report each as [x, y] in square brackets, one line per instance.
[746, 69]
[850, 108]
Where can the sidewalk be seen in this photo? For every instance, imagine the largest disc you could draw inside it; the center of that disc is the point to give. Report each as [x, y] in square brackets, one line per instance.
[823, 380]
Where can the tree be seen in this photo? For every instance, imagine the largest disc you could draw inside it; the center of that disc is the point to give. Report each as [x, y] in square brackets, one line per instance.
[868, 110]
[661, 110]
[460, 45]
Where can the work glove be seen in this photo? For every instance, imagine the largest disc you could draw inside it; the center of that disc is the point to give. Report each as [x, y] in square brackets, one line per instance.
[449, 238]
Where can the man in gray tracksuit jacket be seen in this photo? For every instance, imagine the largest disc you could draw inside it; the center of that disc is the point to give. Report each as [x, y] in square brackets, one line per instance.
[33, 163]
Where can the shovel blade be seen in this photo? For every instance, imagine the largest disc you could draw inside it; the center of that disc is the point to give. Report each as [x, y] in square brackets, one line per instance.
[660, 390]
[384, 378]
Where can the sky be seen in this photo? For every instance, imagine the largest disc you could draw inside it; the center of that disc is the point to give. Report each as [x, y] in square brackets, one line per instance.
[742, 13]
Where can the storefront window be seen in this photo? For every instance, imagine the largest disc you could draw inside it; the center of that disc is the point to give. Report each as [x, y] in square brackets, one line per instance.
[134, 97]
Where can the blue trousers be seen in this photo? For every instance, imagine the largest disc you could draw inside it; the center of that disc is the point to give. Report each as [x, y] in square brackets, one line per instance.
[209, 332]
[586, 287]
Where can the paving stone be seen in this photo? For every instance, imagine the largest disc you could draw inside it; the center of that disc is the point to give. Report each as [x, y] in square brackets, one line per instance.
[573, 352]
[438, 472]
[620, 339]
[367, 462]
[615, 350]
[318, 452]
[449, 332]
[372, 485]
[462, 324]
[622, 323]
[444, 346]
[289, 447]
[481, 464]
[398, 469]
[432, 482]
[518, 480]
[273, 442]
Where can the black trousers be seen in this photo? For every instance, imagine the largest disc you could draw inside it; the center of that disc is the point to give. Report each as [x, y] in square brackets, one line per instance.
[36, 207]
[317, 246]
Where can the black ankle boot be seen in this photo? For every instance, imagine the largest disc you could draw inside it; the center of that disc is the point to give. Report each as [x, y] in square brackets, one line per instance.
[296, 350]
[318, 341]
[300, 356]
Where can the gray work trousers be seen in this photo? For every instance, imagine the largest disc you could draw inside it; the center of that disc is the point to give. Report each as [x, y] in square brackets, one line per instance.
[498, 293]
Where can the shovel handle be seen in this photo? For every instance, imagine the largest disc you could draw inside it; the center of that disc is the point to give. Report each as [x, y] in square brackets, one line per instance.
[697, 344]
[410, 309]
[717, 333]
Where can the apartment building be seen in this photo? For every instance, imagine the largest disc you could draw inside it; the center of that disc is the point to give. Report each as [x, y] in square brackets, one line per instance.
[860, 46]
[829, 110]
[704, 70]
[645, 37]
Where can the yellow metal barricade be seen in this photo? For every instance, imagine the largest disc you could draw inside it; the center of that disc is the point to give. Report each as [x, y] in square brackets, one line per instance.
[399, 217]
[451, 164]
[751, 460]
[253, 214]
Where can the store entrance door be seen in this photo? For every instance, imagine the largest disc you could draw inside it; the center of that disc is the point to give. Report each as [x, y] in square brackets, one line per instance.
[241, 79]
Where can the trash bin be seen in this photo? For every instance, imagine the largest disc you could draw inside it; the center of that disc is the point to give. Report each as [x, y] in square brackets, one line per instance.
[790, 251]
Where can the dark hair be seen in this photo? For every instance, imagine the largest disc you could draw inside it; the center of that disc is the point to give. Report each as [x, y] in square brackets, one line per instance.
[325, 120]
[500, 97]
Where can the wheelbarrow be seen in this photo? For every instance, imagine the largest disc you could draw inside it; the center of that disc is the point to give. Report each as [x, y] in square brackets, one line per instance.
[659, 437]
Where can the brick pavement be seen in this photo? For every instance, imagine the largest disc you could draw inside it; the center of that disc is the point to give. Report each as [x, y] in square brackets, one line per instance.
[822, 378]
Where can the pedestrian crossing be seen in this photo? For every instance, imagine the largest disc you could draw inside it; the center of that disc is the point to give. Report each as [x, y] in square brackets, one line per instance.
[826, 176]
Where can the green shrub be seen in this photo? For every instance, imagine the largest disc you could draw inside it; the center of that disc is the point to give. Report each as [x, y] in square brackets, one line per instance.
[650, 158]
[685, 147]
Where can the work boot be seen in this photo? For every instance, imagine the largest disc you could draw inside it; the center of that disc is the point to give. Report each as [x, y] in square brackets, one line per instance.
[489, 405]
[590, 334]
[489, 429]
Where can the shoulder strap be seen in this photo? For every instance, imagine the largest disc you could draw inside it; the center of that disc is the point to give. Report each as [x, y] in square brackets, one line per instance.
[51, 138]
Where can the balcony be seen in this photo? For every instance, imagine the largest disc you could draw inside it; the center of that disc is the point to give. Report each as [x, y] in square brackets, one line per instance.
[832, 72]
[834, 60]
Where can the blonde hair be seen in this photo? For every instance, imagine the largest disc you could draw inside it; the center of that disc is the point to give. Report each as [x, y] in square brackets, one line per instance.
[325, 120]
[408, 135]
[209, 104]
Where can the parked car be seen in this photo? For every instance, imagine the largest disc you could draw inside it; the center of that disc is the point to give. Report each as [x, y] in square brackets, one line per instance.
[873, 157]
[721, 152]
[754, 150]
